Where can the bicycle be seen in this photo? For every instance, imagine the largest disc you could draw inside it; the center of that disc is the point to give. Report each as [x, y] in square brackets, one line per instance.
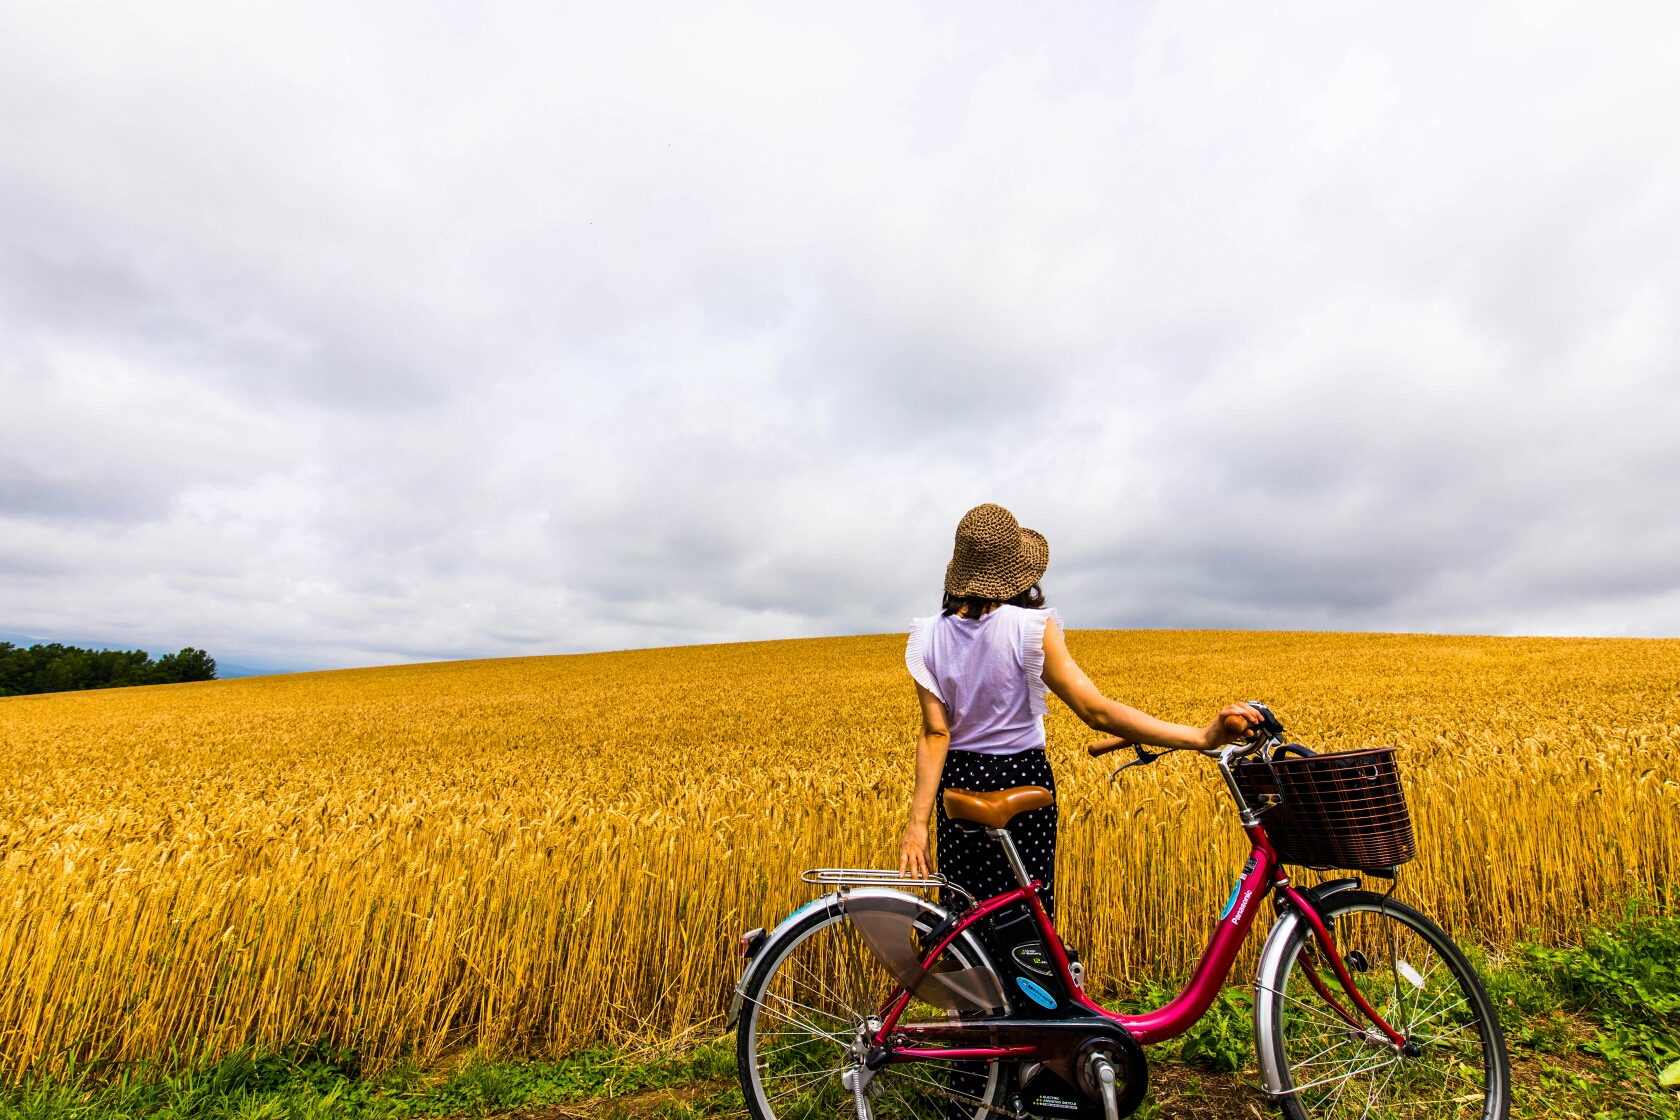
[876, 1000]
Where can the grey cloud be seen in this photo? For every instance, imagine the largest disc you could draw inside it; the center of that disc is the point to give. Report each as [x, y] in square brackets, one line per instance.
[338, 337]
[29, 492]
[226, 325]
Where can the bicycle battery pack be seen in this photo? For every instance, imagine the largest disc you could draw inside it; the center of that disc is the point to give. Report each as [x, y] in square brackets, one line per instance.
[1036, 992]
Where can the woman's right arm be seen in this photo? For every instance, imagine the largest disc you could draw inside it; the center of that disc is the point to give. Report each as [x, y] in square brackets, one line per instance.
[1065, 678]
[931, 744]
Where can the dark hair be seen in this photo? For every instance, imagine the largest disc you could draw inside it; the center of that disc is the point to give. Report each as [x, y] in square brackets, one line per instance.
[972, 607]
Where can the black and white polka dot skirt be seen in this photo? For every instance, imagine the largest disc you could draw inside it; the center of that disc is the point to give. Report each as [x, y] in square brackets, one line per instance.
[974, 861]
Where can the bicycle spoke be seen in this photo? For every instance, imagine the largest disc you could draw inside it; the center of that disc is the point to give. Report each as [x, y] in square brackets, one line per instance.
[1313, 1059]
[1394, 973]
[1437, 1039]
[823, 989]
[794, 1019]
[838, 1040]
[920, 1079]
[906, 1090]
[1335, 1099]
[1322, 1019]
[898, 1074]
[1339, 1062]
[817, 989]
[858, 977]
[1340, 1079]
[1433, 1003]
[782, 1049]
[826, 1072]
[1438, 1014]
[812, 1033]
[1376, 1090]
[1317, 1009]
[809, 1081]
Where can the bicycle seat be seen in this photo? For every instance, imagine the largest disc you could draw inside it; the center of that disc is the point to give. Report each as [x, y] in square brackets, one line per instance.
[994, 810]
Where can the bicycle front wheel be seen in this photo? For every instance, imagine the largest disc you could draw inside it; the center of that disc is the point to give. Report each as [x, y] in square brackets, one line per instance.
[808, 1012]
[1413, 975]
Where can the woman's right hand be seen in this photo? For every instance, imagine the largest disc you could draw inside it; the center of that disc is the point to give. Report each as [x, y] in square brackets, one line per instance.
[914, 860]
[1230, 725]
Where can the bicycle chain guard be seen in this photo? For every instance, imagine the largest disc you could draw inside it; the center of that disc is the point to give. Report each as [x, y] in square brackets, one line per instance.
[887, 925]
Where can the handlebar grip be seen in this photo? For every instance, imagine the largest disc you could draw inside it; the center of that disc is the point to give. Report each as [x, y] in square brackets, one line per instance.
[1236, 725]
[1103, 746]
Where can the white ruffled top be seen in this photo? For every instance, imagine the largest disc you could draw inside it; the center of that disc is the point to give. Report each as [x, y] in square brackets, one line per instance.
[989, 674]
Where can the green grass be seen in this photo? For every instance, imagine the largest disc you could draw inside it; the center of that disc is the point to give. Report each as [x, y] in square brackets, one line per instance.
[1599, 1021]
[319, 1083]
[1590, 1028]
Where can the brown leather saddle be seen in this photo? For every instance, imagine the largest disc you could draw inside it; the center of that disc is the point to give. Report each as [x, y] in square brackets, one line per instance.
[994, 810]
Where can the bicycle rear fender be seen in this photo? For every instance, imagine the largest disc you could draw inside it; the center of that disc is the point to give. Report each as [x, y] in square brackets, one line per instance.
[1267, 976]
[768, 949]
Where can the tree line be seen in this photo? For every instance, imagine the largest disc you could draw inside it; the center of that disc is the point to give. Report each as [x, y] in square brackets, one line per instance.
[61, 668]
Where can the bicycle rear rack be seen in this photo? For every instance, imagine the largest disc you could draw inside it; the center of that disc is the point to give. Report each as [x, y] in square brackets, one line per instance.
[879, 877]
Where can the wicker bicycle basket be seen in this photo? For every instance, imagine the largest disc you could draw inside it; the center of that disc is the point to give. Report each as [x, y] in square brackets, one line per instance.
[1332, 810]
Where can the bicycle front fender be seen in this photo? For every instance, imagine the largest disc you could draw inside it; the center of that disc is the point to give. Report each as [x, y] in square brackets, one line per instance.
[1268, 979]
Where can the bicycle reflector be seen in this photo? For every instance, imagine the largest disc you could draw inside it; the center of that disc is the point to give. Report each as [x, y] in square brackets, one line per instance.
[751, 941]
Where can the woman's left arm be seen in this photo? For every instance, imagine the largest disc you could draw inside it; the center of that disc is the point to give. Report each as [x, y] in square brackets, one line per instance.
[1068, 681]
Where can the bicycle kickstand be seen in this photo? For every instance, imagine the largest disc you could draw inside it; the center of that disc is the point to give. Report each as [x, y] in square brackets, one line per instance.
[857, 1079]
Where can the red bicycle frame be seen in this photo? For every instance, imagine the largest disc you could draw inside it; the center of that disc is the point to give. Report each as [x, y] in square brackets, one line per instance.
[1262, 874]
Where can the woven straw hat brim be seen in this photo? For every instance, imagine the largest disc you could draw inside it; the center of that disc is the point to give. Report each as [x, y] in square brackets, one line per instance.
[994, 557]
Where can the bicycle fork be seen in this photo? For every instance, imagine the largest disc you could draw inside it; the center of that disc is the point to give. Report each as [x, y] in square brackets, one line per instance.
[1274, 962]
[1339, 967]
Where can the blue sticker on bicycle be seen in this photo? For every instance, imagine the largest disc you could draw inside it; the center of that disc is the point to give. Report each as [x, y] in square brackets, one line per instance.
[802, 909]
[1253, 862]
[1035, 993]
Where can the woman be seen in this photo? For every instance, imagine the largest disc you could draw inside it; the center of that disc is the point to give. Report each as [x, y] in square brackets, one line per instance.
[982, 669]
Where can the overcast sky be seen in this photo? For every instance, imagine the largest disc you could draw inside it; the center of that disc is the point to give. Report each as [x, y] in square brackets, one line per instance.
[352, 334]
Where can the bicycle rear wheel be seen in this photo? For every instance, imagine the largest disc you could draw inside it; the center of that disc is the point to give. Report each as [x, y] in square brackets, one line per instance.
[1413, 975]
[808, 1011]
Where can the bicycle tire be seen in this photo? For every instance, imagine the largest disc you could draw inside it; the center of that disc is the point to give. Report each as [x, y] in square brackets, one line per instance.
[799, 1075]
[1330, 1071]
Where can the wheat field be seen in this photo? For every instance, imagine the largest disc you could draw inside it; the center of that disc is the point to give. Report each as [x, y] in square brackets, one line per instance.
[526, 855]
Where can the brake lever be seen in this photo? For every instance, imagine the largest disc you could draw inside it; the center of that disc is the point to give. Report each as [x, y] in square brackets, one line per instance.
[1144, 758]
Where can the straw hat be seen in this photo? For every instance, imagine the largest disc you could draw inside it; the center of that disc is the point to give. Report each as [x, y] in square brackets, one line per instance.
[995, 558]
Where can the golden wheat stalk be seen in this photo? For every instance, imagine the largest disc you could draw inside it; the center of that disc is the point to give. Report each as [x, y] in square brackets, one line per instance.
[527, 855]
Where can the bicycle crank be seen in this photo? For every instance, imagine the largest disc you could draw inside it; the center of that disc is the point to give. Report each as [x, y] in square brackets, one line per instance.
[1104, 1070]
[1113, 1074]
